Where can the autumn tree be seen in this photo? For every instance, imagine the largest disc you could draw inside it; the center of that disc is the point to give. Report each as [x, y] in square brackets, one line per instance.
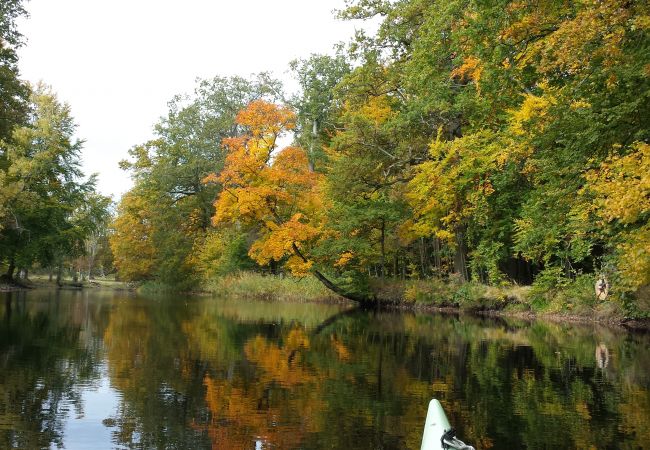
[273, 191]
[132, 237]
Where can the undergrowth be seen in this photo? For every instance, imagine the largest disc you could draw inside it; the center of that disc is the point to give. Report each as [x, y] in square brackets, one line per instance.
[270, 287]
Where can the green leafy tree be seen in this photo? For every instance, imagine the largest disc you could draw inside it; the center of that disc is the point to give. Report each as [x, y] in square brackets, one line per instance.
[44, 176]
[526, 100]
[13, 92]
[14, 105]
[316, 104]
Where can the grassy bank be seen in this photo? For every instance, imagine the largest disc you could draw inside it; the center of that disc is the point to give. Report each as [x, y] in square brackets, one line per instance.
[269, 287]
[574, 299]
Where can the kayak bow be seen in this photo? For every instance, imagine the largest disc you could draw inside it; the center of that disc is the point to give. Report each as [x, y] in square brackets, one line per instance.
[438, 433]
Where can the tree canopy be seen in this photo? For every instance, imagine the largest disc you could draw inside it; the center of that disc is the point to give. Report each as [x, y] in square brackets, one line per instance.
[503, 142]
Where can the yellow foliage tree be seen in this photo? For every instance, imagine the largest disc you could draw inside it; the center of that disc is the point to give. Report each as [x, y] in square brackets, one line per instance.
[131, 243]
[622, 198]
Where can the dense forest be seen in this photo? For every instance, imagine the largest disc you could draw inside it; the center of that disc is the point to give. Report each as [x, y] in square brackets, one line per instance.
[494, 143]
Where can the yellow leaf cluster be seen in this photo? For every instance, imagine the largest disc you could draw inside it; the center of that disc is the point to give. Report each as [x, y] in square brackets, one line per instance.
[596, 32]
[532, 112]
[634, 260]
[377, 110]
[446, 191]
[344, 259]
[622, 185]
[264, 118]
[278, 242]
[131, 243]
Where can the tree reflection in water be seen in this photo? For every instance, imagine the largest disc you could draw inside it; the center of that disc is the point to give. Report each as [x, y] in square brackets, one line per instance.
[44, 362]
[208, 373]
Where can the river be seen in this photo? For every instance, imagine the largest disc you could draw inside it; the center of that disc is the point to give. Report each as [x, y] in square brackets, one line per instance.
[102, 369]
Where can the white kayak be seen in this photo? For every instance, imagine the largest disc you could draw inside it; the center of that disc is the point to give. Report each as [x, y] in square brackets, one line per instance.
[438, 434]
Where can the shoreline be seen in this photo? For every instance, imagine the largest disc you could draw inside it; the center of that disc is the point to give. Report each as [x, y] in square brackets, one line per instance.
[617, 322]
[66, 285]
[593, 317]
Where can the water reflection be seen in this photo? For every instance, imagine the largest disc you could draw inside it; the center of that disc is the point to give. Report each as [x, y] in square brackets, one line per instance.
[45, 362]
[602, 356]
[208, 373]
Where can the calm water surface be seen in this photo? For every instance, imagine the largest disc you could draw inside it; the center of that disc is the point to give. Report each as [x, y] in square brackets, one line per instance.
[99, 369]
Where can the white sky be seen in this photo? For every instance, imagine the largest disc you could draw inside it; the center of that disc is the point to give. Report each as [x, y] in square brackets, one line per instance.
[118, 62]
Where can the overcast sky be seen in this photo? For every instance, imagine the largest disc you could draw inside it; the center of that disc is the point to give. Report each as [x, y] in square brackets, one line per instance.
[117, 63]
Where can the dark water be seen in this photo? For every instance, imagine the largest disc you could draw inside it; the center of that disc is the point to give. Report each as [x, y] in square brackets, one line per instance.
[93, 370]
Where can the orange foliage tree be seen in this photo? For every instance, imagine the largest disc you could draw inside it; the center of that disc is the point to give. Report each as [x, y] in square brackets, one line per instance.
[273, 191]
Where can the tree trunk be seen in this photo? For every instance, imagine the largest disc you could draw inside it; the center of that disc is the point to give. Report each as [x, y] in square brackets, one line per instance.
[12, 268]
[436, 255]
[460, 255]
[568, 269]
[396, 266]
[59, 274]
[383, 248]
[362, 300]
[423, 268]
[91, 262]
[50, 274]
[312, 145]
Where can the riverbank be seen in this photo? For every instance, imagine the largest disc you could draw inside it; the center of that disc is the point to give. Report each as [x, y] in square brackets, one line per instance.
[43, 282]
[9, 287]
[575, 302]
[571, 303]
